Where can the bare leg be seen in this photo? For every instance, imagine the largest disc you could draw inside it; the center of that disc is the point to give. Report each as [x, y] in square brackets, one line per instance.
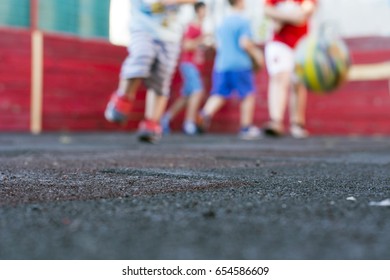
[155, 105]
[278, 89]
[129, 87]
[213, 104]
[150, 103]
[194, 103]
[177, 106]
[247, 109]
[297, 112]
[160, 104]
[298, 105]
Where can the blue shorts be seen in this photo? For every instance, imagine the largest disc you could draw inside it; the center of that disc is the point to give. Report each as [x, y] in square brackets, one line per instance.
[227, 82]
[192, 81]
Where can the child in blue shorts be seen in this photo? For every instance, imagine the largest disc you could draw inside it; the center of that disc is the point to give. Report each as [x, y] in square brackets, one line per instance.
[233, 71]
[191, 61]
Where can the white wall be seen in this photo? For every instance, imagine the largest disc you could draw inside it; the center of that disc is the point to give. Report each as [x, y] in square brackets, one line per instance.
[357, 17]
[119, 22]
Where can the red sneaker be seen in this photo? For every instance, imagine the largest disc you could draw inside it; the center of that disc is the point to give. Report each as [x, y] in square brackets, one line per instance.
[149, 131]
[118, 108]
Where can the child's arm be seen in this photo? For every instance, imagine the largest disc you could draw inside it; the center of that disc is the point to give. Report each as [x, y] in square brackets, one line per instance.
[256, 55]
[293, 17]
[192, 44]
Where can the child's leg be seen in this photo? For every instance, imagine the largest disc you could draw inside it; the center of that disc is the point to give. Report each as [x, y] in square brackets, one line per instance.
[194, 102]
[245, 85]
[298, 105]
[213, 104]
[280, 66]
[129, 87]
[159, 106]
[247, 109]
[121, 101]
[161, 77]
[220, 91]
[171, 113]
[194, 86]
[297, 112]
[187, 71]
[176, 107]
[138, 64]
[155, 105]
[278, 89]
[158, 83]
[132, 74]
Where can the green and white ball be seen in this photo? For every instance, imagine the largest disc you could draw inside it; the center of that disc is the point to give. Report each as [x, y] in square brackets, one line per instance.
[322, 64]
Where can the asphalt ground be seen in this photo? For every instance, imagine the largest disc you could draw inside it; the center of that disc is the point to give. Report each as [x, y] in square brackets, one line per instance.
[106, 196]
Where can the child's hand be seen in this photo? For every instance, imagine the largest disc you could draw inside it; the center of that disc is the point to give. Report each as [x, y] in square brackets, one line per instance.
[277, 26]
[257, 61]
[308, 7]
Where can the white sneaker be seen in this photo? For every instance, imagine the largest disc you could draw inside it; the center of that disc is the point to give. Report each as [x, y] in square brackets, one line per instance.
[249, 133]
[190, 128]
[298, 131]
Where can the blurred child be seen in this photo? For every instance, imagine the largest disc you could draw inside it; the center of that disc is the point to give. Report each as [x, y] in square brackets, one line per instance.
[233, 70]
[192, 59]
[291, 19]
[153, 54]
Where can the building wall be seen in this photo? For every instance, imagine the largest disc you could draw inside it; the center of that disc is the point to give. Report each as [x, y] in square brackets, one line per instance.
[357, 18]
[84, 18]
[15, 13]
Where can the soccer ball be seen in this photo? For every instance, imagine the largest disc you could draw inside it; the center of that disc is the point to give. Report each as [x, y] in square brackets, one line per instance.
[322, 63]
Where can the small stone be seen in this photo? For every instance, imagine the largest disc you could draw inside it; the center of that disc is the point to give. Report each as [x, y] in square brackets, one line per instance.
[209, 214]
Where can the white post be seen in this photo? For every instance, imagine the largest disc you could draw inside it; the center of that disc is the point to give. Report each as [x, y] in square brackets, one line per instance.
[36, 81]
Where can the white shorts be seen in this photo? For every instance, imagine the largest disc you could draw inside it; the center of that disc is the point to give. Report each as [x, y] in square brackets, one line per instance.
[279, 57]
[153, 60]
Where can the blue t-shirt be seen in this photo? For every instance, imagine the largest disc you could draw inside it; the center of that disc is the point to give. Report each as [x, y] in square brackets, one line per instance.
[156, 19]
[230, 55]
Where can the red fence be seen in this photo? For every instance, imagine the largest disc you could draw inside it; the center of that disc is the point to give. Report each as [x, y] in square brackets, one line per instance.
[79, 76]
[15, 72]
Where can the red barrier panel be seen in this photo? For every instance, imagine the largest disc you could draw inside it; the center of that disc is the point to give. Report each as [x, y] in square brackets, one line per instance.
[79, 76]
[15, 73]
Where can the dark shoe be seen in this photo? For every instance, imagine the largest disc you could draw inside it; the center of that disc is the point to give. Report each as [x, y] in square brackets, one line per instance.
[202, 123]
[273, 129]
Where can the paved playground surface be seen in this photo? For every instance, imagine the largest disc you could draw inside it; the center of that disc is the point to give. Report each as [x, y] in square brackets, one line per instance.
[106, 196]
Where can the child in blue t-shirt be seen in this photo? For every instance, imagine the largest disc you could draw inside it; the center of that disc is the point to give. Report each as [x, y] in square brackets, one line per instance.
[235, 59]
